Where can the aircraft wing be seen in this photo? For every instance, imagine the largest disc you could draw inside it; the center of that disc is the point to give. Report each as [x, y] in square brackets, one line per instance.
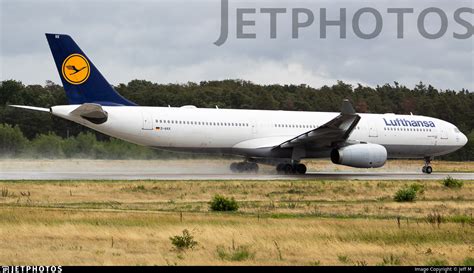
[334, 131]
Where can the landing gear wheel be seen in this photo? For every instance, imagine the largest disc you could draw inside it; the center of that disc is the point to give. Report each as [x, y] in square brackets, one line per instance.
[253, 167]
[300, 169]
[241, 167]
[280, 168]
[427, 168]
[288, 169]
[233, 167]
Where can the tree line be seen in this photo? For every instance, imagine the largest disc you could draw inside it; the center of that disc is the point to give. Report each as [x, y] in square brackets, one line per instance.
[71, 140]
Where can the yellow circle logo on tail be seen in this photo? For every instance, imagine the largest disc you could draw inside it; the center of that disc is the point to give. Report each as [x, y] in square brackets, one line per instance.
[76, 69]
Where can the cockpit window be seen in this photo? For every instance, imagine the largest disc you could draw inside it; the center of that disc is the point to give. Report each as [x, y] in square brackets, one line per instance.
[456, 130]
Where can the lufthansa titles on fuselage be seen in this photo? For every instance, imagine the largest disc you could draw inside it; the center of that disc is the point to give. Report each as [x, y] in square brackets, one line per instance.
[410, 123]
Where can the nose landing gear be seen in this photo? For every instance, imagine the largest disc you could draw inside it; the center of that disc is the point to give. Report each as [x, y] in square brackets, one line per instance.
[427, 168]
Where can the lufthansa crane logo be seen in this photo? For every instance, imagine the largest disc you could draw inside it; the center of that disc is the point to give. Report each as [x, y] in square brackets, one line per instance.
[76, 69]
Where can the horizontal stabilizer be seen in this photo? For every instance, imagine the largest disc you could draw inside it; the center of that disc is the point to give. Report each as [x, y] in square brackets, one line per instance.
[31, 108]
[92, 112]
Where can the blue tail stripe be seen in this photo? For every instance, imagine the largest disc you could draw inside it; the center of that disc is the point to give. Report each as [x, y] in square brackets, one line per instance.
[95, 88]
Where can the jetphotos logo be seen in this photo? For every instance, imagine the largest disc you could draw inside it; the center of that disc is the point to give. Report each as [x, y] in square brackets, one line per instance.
[31, 269]
[250, 22]
[76, 69]
[406, 122]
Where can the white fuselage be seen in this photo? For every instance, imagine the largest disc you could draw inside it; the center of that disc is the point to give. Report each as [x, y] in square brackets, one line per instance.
[252, 133]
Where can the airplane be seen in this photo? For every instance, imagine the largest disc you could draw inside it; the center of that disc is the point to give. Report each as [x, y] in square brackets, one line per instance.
[278, 138]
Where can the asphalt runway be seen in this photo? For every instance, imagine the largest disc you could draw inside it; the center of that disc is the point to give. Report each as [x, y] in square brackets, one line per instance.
[84, 169]
[137, 175]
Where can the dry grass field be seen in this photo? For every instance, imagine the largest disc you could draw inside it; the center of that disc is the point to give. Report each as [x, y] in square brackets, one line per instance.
[278, 223]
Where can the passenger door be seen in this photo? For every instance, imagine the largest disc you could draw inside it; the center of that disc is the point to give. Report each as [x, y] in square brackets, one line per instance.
[147, 121]
[444, 133]
[254, 128]
[373, 130]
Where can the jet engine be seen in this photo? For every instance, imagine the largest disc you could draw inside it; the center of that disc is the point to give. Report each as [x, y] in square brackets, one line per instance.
[360, 155]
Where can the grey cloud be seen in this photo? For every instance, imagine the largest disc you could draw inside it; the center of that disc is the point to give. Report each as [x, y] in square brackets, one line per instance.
[172, 41]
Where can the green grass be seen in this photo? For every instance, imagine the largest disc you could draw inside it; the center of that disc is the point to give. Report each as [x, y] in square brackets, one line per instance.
[452, 183]
[406, 235]
[468, 261]
[391, 260]
[344, 259]
[437, 262]
[239, 253]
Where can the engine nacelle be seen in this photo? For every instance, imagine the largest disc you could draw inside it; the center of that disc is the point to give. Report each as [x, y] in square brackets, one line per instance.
[360, 155]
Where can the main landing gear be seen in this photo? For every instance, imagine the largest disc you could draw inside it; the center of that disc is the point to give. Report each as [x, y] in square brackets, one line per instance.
[297, 168]
[244, 167]
[427, 168]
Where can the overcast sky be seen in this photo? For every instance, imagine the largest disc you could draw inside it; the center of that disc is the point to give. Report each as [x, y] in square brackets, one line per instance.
[172, 42]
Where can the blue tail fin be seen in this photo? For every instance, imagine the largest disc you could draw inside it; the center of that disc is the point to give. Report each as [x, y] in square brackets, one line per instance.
[81, 79]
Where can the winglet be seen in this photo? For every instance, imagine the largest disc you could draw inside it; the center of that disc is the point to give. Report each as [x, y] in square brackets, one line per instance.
[347, 108]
